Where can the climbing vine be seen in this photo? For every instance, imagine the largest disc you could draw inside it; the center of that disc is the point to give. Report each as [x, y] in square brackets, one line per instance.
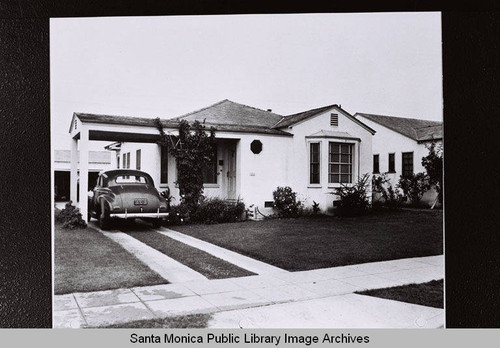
[192, 150]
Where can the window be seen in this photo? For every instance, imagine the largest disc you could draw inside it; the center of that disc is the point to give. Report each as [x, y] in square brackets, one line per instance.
[126, 160]
[210, 171]
[126, 179]
[392, 168]
[376, 168]
[340, 160]
[314, 163]
[334, 120]
[163, 165]
[407, 163]
[117, 161]
[138, 160]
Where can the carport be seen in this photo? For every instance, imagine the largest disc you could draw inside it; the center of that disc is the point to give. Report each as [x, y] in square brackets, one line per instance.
[90, 127]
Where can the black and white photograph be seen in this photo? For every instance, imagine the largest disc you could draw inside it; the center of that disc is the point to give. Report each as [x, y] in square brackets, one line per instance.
[247, 171]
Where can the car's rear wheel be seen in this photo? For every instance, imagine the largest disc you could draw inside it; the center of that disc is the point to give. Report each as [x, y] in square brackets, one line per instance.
[104, 219]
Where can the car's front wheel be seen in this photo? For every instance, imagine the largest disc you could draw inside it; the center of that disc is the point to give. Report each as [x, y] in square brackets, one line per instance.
[104, 218]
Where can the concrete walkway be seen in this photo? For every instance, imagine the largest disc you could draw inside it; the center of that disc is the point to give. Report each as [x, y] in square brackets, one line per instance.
[315, 298]
[166, 267]
[239, 260]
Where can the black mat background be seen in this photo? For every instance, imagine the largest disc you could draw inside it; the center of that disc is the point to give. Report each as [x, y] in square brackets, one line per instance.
[472, 112]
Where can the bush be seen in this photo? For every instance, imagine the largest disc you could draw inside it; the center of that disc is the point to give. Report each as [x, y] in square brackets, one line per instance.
[178, 214]
[285, 202]
[354, 199]
[70, 217]
[392, 198]
[216, 210]
[414, 186]
[315, 208]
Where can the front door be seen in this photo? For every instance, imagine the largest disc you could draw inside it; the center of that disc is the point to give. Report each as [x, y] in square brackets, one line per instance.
[231, 173]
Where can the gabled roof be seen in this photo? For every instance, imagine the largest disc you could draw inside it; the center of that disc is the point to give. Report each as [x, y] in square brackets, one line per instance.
[302, 116]
[229, 112]
[416, 129]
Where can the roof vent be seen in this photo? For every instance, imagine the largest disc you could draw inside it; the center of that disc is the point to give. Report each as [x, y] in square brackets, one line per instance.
[334, 120]
[270, 110]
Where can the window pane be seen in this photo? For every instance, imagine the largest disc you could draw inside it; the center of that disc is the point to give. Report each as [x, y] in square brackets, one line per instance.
[345, 178]
[345, 158]
[345, 148]
[345, 168]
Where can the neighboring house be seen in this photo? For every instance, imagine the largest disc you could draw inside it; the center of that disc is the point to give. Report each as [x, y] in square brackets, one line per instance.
[98, 160]
[400, 144]
[313, 152]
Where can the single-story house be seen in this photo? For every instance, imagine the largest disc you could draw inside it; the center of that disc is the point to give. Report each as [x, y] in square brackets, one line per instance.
[313, 152]
[399, 145]
[98, 161]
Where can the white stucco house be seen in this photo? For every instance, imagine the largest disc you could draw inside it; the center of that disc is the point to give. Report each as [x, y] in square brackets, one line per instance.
[399, 145]
[313, 152]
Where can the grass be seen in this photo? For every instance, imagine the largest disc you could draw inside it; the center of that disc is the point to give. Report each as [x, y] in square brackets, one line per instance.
[427, 294]
[86, 260]
[196, 259]
[191, 321]
[310, 243]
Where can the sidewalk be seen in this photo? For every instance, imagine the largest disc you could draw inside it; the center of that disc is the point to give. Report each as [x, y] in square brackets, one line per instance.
[329, 290]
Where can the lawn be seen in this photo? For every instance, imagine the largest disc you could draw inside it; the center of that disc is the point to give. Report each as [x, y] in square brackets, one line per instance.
[86, 260]
[426, 294]
[310, 243]
[196, 259]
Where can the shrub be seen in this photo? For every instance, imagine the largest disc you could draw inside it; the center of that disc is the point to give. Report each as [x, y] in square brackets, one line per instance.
[179, 214]
[414, 186]
[285, 202]
[354, 199]
[216, 210]
[70, 217]
[315, 208]
[392, 198]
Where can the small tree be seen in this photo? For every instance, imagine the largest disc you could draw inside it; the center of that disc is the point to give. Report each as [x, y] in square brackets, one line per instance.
[433, 164]
[192, 151]
[414, 186]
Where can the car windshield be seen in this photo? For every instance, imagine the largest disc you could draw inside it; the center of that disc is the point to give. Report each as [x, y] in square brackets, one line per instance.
[130, 179]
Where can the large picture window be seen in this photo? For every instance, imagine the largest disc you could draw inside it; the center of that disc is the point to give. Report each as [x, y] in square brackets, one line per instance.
[164, 165]
[314, 163]
[407, 164]
[340, 162]
[210, 170]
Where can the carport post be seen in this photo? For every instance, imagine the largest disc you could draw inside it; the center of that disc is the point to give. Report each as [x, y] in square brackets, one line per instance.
[74, 171]
[84, 170]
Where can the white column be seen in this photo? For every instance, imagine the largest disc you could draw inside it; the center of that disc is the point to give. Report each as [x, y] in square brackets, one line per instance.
[74, 171]
[84, 170]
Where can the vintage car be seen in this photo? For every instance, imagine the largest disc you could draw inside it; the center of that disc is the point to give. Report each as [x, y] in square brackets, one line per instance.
[126, 194]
